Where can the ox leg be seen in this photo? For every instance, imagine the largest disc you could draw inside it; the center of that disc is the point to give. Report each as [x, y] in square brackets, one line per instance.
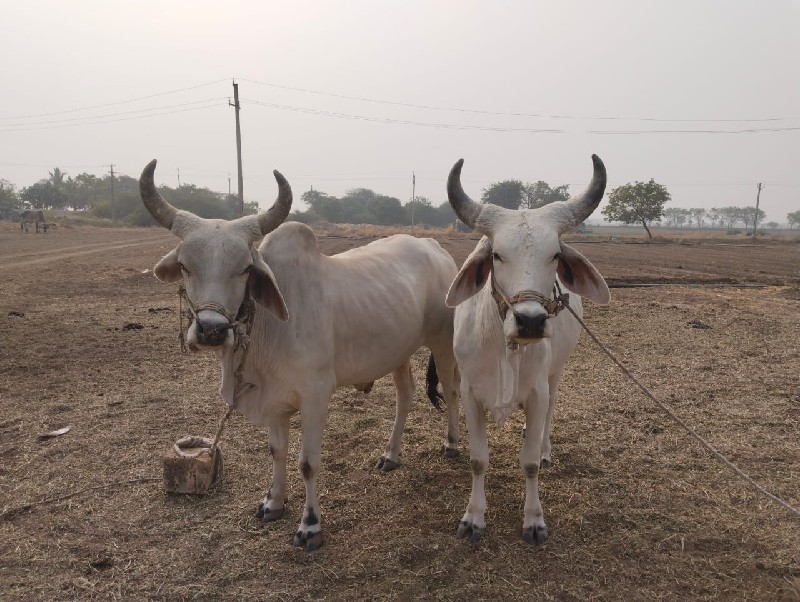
[473, 523]
[547, 446]
[404, 384]
[534, 529]
[448, 376]
[312, 416]
[271, 507]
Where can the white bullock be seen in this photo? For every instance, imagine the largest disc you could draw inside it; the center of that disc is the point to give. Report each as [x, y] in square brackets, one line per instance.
[320, 322]
[511, 340]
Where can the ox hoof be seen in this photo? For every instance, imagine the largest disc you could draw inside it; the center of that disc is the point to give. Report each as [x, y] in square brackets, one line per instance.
[387, 465]
[267, 515]
[545, 463]
[450, 452]
[309, 541]
[535, 535]
[466, 528]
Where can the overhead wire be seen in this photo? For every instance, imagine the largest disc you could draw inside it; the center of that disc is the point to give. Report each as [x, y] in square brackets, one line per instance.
[512, 113]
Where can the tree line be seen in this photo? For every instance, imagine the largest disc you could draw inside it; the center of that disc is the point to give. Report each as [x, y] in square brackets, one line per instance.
[93, 194]
[637, 202]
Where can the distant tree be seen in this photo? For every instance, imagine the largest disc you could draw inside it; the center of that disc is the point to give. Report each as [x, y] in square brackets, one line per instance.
[771, 225]
[9, 199]
[640, 202]
[43, 195]
[57, 177]
[728, 216]
[793, 219]
[676, 216]
[748, 214]
[423, 211]
[698, 216]
[713, 216]
[508, 193]
[540, 194]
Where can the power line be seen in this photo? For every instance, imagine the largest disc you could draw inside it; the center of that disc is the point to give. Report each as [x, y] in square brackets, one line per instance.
[510, 113]
[452, 126]
[135, 111]
[66, 125]
[121, 102]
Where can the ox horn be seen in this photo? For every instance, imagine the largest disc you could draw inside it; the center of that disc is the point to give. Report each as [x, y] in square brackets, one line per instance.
[574, 211]
[466, 209]
[274, 216]
[159, 208]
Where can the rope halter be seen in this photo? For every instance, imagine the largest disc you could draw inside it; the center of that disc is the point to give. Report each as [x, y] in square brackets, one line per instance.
[552, 306]
[240, 324]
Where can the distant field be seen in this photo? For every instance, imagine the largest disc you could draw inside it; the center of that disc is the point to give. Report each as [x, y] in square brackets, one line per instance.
[636, 510]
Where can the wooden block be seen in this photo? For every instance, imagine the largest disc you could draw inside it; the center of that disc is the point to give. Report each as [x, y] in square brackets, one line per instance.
[190, 468]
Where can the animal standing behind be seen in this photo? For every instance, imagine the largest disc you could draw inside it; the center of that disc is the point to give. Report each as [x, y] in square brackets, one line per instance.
[510, 345]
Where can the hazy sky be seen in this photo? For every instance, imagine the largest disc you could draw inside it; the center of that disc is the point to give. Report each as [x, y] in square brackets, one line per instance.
[346, 94]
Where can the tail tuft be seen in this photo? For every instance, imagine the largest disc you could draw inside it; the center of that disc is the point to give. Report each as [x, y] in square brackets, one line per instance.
[432, 384]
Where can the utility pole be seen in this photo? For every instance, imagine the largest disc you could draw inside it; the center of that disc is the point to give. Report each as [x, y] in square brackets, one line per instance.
[413, 198]
[236, 106]
[113, 206]
[229, 184]
[179, 177]
[755, 217]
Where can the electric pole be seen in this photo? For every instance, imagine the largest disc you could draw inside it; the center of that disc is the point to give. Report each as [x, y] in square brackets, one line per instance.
[236, 106]
[413, 198]
[755, 217]
[113, 206]
[179, 177]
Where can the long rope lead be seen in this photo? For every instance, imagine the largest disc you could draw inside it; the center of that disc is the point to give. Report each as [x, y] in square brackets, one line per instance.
[710, 448]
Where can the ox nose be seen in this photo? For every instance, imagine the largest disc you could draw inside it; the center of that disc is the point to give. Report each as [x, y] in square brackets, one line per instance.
[530, 327]
[211, 334]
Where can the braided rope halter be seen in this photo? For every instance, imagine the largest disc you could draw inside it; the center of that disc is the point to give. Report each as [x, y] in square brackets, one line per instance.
[552, 306]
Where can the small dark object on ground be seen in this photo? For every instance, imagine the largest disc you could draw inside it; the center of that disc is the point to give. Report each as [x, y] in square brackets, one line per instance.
[19, 314]
[154, 310]
[133, 326]
[699, 324]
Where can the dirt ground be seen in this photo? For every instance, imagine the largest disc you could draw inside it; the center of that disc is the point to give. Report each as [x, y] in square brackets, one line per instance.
[635, 508]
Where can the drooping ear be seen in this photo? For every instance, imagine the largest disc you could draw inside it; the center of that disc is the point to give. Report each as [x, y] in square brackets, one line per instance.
[473, 274]
[578, 275]
[169, 269]
[264, 289]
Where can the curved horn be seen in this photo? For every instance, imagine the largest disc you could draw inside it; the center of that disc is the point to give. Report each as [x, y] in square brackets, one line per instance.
[159, 208]
[274, 216]
[580, 207]
[466, 209]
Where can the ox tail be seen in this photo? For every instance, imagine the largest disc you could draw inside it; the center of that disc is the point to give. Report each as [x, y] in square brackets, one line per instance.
[432, 384]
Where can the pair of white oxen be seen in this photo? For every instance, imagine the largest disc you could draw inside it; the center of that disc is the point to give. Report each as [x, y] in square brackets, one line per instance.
[321, 322]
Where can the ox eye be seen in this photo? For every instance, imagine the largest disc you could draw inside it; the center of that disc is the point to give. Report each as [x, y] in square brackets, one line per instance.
[557, 256]
[496, 257]
[185, 271]
[247, 270]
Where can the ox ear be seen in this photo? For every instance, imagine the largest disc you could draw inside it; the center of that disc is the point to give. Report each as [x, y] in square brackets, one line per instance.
[473, 274]
[169, 268]
[578, 275]
[264, 289]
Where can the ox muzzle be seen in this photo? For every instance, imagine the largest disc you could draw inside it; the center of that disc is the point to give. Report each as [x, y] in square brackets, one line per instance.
[531, 312]
[212, 326]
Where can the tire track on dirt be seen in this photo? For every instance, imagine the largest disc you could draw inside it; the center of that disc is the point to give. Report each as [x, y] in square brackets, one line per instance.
[87, 246]
[57, 254]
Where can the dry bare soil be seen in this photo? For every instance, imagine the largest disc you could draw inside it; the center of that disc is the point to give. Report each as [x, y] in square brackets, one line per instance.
[636, 509]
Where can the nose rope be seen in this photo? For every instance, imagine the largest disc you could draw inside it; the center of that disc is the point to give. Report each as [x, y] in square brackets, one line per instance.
[553, 306]
[244, 316]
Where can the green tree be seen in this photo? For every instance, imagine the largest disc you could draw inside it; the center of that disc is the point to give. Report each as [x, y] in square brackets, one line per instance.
[9, 199]
[640, 202]
[698, 215]
[43, 195]
[793, 218]
[540, 194]
[508, 193]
